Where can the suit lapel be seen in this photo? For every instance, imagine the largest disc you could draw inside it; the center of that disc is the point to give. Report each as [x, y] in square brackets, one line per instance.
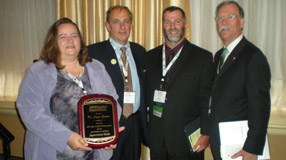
[232, 58]
[114, 69]
[154, 63]
[179, 64]
[136, 60]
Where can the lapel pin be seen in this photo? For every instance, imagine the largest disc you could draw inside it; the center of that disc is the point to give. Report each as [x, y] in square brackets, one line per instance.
[113, 61]
[234, 58]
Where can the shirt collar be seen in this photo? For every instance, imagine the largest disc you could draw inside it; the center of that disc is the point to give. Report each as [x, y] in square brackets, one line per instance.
[233, 44]
[177, 48]
[118, 45]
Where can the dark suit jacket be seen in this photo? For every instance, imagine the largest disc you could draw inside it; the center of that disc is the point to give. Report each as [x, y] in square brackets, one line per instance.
[104, 52]
[188, 86]
[241, 92]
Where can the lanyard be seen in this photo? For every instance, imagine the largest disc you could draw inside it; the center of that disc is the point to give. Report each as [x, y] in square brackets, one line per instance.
[164, 68]
[124, 68]
[77, 81]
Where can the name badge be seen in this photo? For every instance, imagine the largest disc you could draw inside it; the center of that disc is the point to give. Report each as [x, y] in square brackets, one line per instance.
[129, 97]
[158, 102]
[159, 96]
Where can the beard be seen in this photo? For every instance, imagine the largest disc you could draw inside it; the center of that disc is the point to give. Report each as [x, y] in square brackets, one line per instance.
[174, 38]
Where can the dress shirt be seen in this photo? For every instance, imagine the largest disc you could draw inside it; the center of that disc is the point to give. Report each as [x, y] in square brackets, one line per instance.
[176, 50]
[232, 45]
[134, 75]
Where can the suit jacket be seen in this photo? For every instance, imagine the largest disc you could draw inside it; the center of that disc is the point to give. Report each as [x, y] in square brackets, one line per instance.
[104, 52]
[45, 136]
[188, 87]
[241, 92]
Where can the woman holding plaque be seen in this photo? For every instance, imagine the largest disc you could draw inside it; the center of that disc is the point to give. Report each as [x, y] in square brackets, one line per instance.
[50, 91]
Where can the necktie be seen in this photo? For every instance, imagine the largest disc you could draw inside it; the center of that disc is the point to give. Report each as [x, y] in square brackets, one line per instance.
[222, 58]
[171, 56]
[127, 107]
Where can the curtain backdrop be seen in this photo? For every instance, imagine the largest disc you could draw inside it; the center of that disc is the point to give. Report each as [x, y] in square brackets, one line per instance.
[147, 24]
[23, 26]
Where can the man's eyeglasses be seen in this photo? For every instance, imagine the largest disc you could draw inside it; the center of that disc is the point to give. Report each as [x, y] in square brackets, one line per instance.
[229, 17]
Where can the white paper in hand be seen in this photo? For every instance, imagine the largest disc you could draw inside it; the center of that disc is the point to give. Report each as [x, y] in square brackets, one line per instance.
[232, 137]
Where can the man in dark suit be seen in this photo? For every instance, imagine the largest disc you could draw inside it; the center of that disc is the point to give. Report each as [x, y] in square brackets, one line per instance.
[179, 79]
[241, 86]
[128, 75]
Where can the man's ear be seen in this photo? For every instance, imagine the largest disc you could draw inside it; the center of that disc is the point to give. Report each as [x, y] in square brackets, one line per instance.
[107, 26]
[242, 21]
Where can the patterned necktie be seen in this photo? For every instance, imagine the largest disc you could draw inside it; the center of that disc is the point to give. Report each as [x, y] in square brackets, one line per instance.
[127, 107]
[222, 58]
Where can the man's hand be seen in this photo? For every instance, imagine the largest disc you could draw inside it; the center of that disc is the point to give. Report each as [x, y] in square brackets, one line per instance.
[113, 146]
[76, 142]
[245, 155]
[202, 143]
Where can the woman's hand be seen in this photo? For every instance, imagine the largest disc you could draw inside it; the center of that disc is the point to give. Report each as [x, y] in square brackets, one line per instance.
[76, 142]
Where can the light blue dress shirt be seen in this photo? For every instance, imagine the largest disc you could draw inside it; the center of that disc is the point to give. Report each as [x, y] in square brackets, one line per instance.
[134, 75]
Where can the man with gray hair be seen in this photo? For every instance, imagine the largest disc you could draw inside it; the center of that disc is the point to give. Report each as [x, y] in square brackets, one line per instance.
[241, 88]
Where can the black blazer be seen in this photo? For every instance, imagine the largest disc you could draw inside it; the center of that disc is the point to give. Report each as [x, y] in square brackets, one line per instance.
[188, 86]
[104, 52]
[241, 92]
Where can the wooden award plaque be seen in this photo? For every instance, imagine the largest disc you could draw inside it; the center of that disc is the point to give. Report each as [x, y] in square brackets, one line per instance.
[98, 122]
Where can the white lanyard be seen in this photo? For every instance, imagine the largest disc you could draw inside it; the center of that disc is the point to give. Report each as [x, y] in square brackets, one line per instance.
[124, 68]
[77, 81]
[164, 68]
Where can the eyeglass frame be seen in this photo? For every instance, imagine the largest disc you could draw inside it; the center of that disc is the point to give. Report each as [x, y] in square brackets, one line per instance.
[229, 17]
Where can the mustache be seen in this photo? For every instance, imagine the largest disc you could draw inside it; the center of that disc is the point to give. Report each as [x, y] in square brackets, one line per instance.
[224, 27]
[174, 29]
